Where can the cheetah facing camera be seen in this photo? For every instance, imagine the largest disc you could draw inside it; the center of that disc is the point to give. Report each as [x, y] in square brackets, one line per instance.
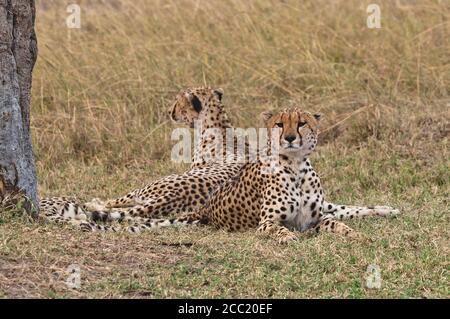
[204, 104]
[270, 200]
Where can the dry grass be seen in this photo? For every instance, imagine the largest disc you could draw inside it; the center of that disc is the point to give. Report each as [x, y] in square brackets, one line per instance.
[100, 96]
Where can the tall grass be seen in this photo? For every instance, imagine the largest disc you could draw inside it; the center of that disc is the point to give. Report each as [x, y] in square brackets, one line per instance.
[101, 92]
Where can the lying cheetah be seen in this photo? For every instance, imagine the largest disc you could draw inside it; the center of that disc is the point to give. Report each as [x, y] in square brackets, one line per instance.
[206, 105]
[202, 104]
[267, 197]
[189, 107]
[172, 194]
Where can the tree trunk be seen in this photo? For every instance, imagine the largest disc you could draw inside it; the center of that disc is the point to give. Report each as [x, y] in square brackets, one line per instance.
[18, 51]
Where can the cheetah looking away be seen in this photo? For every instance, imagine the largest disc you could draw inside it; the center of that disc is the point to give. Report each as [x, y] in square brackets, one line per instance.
[171, 194]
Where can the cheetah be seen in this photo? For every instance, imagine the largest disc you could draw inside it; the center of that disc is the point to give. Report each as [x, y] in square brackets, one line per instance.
[188, 108]
[268, 197]
[188, 190]
[175, 193]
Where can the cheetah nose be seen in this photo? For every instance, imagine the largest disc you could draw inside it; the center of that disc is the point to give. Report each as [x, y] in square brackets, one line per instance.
[290, 138]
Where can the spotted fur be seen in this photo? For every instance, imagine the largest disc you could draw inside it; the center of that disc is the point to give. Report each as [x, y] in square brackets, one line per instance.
[267, 197]
[213, 115]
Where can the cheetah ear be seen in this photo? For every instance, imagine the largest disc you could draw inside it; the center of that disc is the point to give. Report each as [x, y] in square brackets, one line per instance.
[195, 102]
[219, 93]
[317, 116]
[266, 116]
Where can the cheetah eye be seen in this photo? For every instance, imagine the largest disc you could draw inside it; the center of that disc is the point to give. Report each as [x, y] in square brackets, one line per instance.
[279, 124]
[301, 124]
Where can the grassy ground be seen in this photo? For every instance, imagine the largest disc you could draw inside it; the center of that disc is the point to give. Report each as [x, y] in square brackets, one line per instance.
[100, 96]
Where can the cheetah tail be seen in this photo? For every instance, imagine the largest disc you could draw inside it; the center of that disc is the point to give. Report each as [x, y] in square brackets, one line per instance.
[138, 224]
[193, 218]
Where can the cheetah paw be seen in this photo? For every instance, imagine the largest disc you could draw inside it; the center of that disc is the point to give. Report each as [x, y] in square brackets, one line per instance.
[95, 204]
[358, 236]
[287, 238]
[386, 211]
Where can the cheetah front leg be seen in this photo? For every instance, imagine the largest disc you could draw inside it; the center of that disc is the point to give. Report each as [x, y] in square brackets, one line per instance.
[312, 184]
[328, 224]
[277, 231]
[273, 213]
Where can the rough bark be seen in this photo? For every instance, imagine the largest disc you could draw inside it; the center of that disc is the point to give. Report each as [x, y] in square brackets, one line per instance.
[18, 52]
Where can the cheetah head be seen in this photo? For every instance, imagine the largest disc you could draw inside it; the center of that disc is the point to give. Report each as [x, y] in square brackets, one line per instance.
[299, 130]
[190, 103]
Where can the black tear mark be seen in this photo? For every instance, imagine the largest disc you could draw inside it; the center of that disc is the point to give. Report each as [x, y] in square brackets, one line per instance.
[197, 105]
